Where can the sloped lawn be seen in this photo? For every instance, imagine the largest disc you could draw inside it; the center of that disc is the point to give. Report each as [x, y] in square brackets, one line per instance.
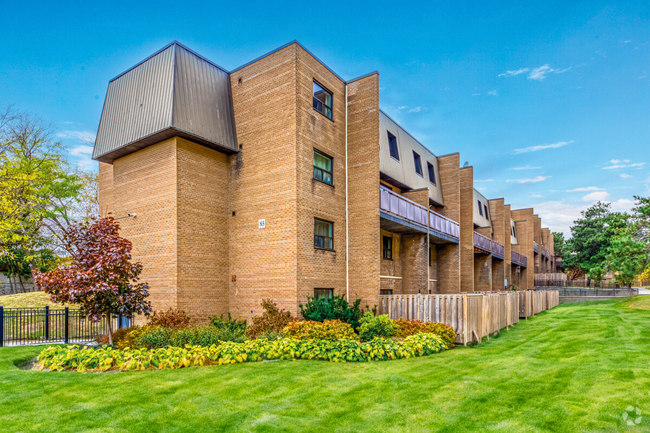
[573, 368]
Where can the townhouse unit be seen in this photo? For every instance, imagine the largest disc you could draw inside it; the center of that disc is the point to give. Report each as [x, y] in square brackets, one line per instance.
[282, 180]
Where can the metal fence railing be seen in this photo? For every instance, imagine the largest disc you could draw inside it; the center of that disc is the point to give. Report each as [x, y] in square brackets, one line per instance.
[577, 291]
[23, 326]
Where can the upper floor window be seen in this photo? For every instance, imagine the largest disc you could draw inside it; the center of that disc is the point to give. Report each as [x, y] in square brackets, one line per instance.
[323, 294]
[322, 100]
[323, 234]
[418, 163]
[392, 145]
[388, 248]
[514, 232]
[322, 167]
[480, 208]
[487, 215]
[432, 173]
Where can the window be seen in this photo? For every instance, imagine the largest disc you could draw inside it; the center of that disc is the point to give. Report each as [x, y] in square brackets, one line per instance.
[487, 215]
[322, 100]
[514, 232]
[322, 167]
[480, 208]
[392, 145]
[388, 248]
[323, 234]
[385, 291]
[323, 294]
[418, 163]
[432, 174]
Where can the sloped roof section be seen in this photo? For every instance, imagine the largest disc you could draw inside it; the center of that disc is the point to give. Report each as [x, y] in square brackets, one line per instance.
[175, 92]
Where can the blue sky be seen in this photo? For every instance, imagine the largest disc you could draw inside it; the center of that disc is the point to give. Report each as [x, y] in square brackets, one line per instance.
[550, 102]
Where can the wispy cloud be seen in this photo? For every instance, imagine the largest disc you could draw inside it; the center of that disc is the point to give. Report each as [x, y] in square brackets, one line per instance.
[625, 175]
[616, 161]
[476, 94]
[542, 147]
[540, 73]
[585, 189]
[535, 195]
[81, 150]
[411, 109]
[527, 167]
[596, 196]
[617, 166]
[83, 136]
[531, 180]
[493, 93]
[513, 73]
[484, 180]
[622, 205]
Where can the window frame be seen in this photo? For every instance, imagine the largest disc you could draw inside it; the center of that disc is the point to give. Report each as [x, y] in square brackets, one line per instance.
[331, 238]
[326, 90]
[390, 149]
[390, 292]
[417, 160]
[315, 168]
[432, 171]
[487, 214]
[480, 207]
[330, 292]
[384, 249]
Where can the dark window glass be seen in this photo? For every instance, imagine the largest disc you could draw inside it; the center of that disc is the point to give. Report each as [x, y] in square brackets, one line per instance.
[322, 100]
[323, 293]
[432, 174]
[392, 144]
[322, 167]
[418, 163]
[385, 291]
[323, 234]
[514, 231]
[388, 248]
[487, 215]
[480, 208]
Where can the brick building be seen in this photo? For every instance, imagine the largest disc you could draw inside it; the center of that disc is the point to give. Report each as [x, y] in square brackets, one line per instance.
[282, 180]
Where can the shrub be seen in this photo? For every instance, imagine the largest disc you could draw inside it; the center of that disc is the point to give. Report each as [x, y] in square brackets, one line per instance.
[331, 330]
[412, 327]
[371, 326]
[174, 319]
[58, 358]
[203, 336]
[272, 320]
[155, 337]
[336, 308]
[125, 337]
[236, 326]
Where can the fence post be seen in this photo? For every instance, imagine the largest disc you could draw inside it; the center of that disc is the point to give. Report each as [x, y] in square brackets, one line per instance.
[2, 326]
[66, 334]
[47, 322]
[465, 319]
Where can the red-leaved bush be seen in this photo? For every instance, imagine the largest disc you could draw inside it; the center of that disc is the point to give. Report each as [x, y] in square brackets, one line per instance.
[100, 278]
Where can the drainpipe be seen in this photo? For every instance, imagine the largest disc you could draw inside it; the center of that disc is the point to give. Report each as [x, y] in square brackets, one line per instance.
[347, 242]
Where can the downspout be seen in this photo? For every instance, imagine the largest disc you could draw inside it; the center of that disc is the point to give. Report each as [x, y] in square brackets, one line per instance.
[347, 242]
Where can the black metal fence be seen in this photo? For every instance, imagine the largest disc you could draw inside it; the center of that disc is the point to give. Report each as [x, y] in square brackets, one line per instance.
[605, 284]
[22, 326]
[577, 291]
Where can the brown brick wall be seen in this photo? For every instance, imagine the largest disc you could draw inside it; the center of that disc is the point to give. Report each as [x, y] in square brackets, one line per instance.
[414, 255]
[482, 273]
[448, 256]
[392, 268]
[467, 229]
[105, 193]
[507, 262]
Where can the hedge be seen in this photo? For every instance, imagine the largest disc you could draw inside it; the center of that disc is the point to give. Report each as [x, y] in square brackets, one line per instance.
[59, 358]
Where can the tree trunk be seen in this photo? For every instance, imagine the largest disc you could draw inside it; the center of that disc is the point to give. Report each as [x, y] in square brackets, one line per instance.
[110, 329]
[22, 286]
[11, 284]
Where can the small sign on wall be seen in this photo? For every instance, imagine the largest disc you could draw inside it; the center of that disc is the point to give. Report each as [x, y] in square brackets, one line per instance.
[261, 224]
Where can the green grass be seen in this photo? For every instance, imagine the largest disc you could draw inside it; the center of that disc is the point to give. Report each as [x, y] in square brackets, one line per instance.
[574, 368]
[28, 300]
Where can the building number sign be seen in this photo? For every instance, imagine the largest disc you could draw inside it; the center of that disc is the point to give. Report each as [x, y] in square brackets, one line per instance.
[262, 224]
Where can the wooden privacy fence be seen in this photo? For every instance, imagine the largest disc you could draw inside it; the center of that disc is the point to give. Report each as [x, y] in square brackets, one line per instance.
[472, 315]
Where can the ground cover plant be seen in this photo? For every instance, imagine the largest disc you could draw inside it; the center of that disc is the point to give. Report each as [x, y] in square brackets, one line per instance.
[574, 368]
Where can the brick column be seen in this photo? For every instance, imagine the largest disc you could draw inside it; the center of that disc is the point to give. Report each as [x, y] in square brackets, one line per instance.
[414, 263]
[499, 232]
[448, 255]
[467, 229]
[482, 273]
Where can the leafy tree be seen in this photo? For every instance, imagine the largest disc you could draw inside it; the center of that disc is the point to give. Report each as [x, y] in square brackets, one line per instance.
[598, 271]
[15, 266]
[559, 244]
[100, 277]
[626, 258]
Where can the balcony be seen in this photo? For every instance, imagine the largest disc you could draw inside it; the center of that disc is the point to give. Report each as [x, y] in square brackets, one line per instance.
[535, 247]
[488, 246]
[518, 259]
[412, 216]
[545, 254]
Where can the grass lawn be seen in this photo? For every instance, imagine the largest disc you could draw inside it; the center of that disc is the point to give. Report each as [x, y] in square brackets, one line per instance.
[28, 300]
[574, 368]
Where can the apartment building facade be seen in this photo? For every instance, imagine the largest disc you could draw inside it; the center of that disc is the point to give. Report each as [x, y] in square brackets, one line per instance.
[282, 180]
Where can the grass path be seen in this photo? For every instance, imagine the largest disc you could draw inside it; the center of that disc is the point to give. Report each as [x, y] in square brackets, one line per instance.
[571, 369]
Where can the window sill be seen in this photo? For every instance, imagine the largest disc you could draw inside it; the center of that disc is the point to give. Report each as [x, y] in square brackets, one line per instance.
[325, 249]
[322, 114]
[323, 182]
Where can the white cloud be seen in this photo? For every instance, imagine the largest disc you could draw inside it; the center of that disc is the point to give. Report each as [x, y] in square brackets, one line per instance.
[83, 136]
[585, 189]
[542, 147]
[532, 180]
[481, 188]
[535, 195]
[528, 167]
[625, 176]
[540, 73]
[596, 196]
[558, 216]
[616, 161]
[81, 150]
[484, 180]
[617, 166]
[622, 205]
[513, 73]
[493, 93]
[411, 109]
[476, 94]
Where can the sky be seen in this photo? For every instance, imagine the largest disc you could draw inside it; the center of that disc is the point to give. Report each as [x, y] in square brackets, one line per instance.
[549, 102]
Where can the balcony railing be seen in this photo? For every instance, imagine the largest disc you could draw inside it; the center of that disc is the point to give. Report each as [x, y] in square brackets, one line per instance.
[413, 212]
[498, 249]
[545, 254]
[518, 259]
[486, 244]
[535, 247]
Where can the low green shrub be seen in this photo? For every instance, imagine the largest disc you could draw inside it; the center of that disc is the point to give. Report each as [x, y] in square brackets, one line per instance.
[328, 330]
[235, 326]
[272, 321]
[154, 337]
[371, 326]
[59, 358]
[412, 327]
[336, 308]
